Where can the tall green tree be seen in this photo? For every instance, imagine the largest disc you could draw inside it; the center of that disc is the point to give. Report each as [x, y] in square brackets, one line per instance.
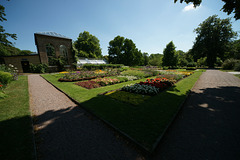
[213, 36]
[88, 46]
[5, 44]
[230, 6]
[123, 51]
[181, 58]
[169, 56]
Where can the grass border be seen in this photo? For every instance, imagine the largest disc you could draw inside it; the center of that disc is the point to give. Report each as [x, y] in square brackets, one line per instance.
[135, 143]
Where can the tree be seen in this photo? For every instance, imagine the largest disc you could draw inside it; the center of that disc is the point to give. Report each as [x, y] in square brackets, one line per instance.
[213, 37]
[87, 45]
[229, 6]
[123, 51]
[5, 44]
[155, 59]
[181, 58]
[145, 59]
[169, 56]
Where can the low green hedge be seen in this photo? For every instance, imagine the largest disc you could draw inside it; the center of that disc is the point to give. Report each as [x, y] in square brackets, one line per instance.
[5, 77]
[101, 66]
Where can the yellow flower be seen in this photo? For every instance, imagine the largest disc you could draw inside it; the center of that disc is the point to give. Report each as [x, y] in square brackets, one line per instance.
[63, 72]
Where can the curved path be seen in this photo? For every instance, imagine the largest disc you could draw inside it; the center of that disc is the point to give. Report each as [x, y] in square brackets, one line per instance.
[208, 127]
[65, 131]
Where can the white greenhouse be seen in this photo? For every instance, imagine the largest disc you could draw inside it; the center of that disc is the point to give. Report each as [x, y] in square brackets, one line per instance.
[81, 62]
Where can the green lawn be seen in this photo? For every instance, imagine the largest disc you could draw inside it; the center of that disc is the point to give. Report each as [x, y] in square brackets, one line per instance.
[237, 75]
[15, 122]
[145, 122]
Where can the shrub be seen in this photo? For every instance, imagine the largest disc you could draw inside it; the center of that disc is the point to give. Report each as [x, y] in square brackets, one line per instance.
[38, 68]
[11, 69]
[237, 66]
[141, 89]
[5, 77]
[136, 73]
[191, 64]
[101, 66]
[229, 64]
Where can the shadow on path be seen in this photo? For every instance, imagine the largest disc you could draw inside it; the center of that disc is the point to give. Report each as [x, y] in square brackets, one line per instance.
[206, 128]
[83, 137]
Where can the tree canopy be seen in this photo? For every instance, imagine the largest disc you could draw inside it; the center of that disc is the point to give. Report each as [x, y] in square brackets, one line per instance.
[213, 37]
[87, 45]
[230, 6]
[123, 51]
[169, 56]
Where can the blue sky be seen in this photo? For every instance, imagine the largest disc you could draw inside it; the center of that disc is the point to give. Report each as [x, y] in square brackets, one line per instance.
[151, 24]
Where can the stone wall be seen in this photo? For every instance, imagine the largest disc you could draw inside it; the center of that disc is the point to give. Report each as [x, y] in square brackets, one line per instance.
[16, 60]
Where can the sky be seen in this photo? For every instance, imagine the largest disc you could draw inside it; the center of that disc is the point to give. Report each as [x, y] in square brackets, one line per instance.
[151, 24]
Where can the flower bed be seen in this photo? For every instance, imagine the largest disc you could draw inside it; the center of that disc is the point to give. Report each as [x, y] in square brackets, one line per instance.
[86, 75]
[127, 97]
[99, 82]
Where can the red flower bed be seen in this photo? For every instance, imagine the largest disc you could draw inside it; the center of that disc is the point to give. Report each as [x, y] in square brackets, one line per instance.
[88, 84]
[160, 83]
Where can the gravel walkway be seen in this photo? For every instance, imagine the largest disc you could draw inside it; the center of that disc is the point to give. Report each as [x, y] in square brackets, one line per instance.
[208, 127]
[65, 131]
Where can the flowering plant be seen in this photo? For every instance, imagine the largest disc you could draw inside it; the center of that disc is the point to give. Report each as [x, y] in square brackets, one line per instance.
[88, 84]
[141, 89]
[106, 81]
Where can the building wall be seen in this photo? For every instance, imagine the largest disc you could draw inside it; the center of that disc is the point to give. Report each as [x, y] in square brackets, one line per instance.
[42, 40]
[16, 60]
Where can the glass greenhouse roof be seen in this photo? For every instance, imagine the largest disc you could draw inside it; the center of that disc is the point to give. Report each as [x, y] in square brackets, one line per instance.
[81, 62]
[53, 34]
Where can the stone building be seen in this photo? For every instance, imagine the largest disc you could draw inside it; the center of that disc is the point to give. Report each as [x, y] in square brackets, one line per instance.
[50, 46]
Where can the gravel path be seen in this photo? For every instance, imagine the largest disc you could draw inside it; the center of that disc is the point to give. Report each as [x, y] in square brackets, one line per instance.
[208, 127]
[65, 131]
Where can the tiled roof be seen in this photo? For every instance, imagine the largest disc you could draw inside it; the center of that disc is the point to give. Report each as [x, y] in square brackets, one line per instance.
[53, 34]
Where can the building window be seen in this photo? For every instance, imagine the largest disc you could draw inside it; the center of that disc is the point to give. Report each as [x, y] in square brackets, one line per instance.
[64, 53]
[51, 54]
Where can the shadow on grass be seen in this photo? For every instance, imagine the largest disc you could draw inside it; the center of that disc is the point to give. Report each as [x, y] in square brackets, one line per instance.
[16, 139]
[207, 127]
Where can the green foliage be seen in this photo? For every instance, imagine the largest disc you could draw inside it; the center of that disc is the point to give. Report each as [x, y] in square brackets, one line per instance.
[101, 66]
[88, 46]
[5, 78]
[128, 97]
[155, 59]
[145, 59]
[192, 64]
[169, 56]
[123, 51]
[237, 66]
[229, 64]
[202, 62]
[229, 6]
[213, 38]
[136, 73]
[38, 68]
[181, 58]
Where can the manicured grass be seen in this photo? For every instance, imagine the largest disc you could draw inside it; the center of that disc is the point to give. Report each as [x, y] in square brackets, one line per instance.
[15, 122]
[144, 122]
[237, 75]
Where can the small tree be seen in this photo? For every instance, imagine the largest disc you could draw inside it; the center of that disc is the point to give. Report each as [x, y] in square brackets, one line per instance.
[87, 45]
[123, 51]
[169, 56]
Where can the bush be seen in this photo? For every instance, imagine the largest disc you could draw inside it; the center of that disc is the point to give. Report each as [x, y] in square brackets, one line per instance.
[229, 64]
[191, 64]
[101, 66]
[237, 66]
[5, 77]
[38, 68]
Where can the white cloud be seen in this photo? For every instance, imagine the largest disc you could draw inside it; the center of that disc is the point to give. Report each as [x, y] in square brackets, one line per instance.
[188, 8]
